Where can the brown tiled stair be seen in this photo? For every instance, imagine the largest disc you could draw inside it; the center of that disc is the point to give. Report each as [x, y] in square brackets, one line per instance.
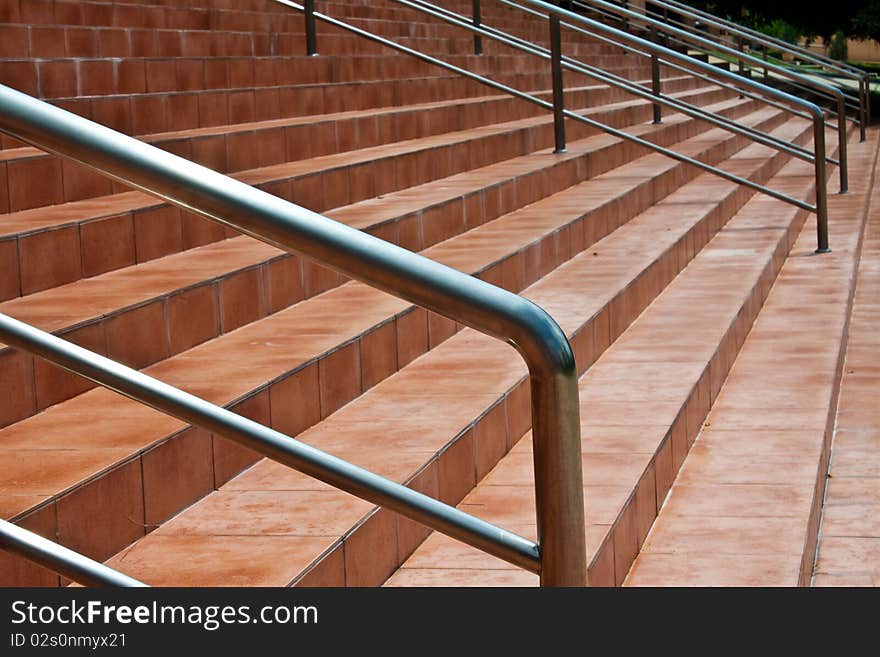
[603, 236]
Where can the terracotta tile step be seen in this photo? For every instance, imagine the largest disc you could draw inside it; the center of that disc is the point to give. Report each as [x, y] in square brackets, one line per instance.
[220, 278]
[64, 77]
[247, 145]
[136, 16]
[472, 393]
[69, 12]
[392, 123]
[363, 307]
[163, 109]
[52, 41]
[644, 399]
[753, 483]
[319, 183]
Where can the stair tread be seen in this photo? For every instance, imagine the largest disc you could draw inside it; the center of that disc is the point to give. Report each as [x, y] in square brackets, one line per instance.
[405, 428]
[73, 303]
[310, 333]
[46, 216]
[725, 271]
[748, 485]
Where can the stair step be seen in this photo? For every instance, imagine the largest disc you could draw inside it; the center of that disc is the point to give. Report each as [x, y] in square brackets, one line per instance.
[472, 393]
[60, 77]
[249, 144]
[147, 228]
[643, 400]
[164, 108]
[371, 317]
[752, 485]
[222, 276]
[54, 41]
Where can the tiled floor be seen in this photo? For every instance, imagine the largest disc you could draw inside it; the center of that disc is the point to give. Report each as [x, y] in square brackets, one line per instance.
[849, 535]
[744, 508]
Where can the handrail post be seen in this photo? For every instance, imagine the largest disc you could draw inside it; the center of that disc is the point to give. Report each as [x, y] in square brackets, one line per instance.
[478, 21]
[821, 192]
[842, 138]
[862, 109]
[655, 79]
[764, 57]
[560, 506]
[311, 36]
[558, 89]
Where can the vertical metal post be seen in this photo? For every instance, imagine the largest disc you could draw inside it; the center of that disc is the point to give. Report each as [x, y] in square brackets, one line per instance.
[558, 89]
[842, 139]
[821, 192]
[741, 69]
[655, 79]
[625, 4]
[311, 37]
[868, 99]
[478, 38]
[558, 478]
[766, 72]
[863, 99]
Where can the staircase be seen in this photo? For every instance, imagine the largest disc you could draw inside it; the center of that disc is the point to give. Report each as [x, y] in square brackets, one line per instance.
[656, 273]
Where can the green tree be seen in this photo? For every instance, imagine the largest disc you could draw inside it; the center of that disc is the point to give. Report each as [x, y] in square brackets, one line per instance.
[854, 18]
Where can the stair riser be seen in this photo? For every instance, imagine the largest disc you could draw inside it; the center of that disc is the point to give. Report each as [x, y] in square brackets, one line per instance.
[388, 21]
[54, 41]
[97, 77]
[263, 18]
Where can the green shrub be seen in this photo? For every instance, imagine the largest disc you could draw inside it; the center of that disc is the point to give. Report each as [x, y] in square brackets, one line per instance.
[837, 50]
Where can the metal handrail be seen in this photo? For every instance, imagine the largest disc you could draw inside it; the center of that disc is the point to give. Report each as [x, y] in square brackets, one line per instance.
[559, 557]
[555, 14]
[702, 76]
[690, 37]
[757, 37]
[851, 101]
[628, 85]
[729, 25]
[60, 559]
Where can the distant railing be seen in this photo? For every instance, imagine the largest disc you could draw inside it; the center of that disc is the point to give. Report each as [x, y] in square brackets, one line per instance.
[689, 36]
[659, 55]
[664, 10]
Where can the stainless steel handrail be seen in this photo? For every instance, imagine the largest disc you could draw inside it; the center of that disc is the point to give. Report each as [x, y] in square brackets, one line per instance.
[779, 44]
[60, 559]
[817, 87]
[628, 85]
[676, 67]
[652, 7]
[851, 101]
[816, 114]
[559, 556]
